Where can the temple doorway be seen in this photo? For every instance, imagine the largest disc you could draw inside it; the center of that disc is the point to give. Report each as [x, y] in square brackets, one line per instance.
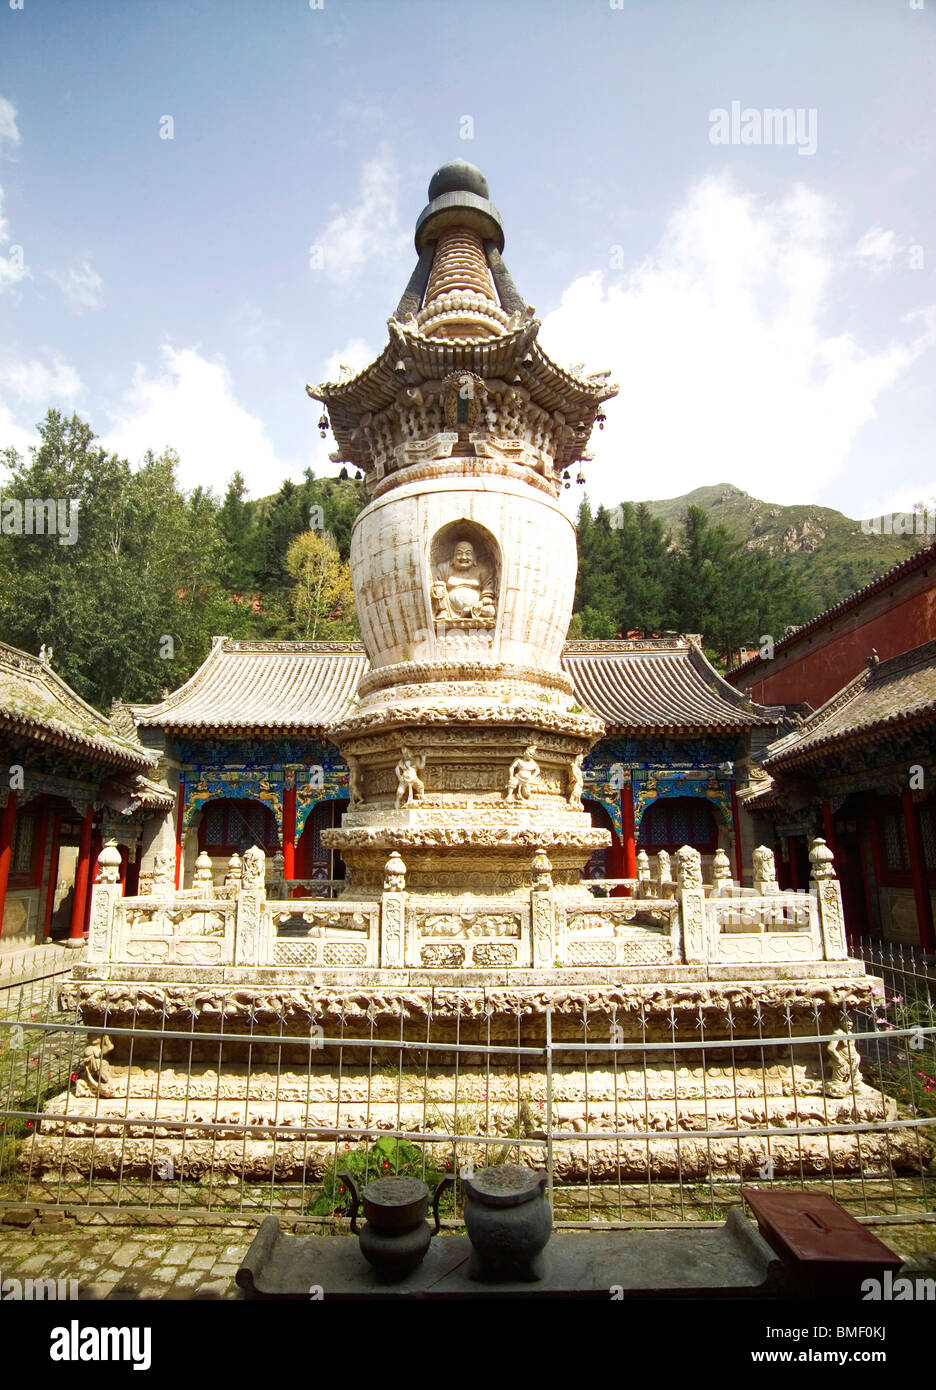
[313, 860]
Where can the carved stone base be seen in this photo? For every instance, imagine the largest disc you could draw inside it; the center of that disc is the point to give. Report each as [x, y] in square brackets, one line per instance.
[266, 1093]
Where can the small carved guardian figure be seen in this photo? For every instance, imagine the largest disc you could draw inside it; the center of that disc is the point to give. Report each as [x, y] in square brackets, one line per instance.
[254, 868]
[94, 1074]
[409, 786]
[576, 782]
[463, 589]
[163, 874]
[523, 776]
[355, 795]
[765, 871]
[689, 867]
[394, 879]
[844, 1067]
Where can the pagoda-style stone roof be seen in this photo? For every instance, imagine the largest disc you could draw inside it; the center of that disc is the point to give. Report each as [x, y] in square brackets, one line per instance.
[886, 698]
[662, 685]
[461, 312]
[659, 685]
[271, 686]
[38, 706]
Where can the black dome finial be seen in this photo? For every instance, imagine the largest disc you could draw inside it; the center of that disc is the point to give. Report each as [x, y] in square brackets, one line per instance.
[458, 176]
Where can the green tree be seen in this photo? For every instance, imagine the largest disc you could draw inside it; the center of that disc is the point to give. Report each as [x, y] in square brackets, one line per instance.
[321, 601]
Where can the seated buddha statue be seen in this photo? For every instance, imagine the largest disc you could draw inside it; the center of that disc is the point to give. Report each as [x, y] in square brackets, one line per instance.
[463, 588]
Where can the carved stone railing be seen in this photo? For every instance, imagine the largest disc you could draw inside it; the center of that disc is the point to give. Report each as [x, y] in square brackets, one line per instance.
[666, 923]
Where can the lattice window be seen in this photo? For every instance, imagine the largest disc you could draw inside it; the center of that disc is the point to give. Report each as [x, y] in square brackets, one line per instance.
[680, 820]
[896, 849]
[236, 823]
[24, 838]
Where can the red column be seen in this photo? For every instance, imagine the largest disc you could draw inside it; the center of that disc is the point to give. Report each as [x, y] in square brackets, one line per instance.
[628, 843]
[615, 861]
[132, 882]
[289, 832]
[794, 862]
[828, 826]
[736, 831]
[7, 826]
[180, 806]
[82, 875]
[97, 844]
[924, 906]
[53, 876]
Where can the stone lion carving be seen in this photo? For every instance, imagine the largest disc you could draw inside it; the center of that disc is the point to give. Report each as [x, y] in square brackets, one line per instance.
[523, 776]
[765, 872]
[463, 588]
[94, 1074]
[254, 867]
[410, 787]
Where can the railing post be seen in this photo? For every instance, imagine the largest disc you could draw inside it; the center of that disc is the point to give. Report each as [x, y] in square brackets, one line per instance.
[542, 913]
[104, 898]
[828, 901]
[393, 951]
[691, 896]
[250, 945]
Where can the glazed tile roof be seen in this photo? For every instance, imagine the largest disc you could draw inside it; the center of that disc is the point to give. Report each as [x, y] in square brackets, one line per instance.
[893, 694]
[273, 685]
[36, 704]
[655, 685]
[658, 684]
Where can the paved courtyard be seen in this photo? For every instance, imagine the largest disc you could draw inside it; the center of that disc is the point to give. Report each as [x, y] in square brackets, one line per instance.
[200, 1261]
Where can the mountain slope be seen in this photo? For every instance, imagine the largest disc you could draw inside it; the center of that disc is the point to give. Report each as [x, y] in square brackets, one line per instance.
[829, 551]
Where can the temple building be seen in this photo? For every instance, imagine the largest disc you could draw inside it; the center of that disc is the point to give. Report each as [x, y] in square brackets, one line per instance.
[243, 745]
[860, 768]
[69, 781]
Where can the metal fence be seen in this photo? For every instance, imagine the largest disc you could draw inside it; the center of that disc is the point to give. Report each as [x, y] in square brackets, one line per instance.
[631, 1130]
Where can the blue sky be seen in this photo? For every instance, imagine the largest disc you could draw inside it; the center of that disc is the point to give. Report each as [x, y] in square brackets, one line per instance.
[768, 313]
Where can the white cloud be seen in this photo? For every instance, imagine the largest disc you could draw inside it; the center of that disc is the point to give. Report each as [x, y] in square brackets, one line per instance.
[80, 284]
[13, 435]
[190, 407]
[9, 134]
[369, 231]
[12, 264]
[34, 382]
[349, 360]
[877, 249]
[728, 372]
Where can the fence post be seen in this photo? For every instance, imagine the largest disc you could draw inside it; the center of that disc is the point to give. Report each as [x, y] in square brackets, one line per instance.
[104, 896]
[393, 914]
[828, 901]
[250, 948]
[691, 897]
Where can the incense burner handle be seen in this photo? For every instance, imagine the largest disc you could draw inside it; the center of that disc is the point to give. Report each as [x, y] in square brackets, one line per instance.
[443, 1184]
[351, 1185]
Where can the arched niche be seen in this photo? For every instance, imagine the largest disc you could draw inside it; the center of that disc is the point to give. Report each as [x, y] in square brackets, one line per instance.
[464, 576]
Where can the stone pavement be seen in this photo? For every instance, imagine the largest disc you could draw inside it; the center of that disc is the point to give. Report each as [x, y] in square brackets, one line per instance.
[114, 1262]
[186, 1260]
